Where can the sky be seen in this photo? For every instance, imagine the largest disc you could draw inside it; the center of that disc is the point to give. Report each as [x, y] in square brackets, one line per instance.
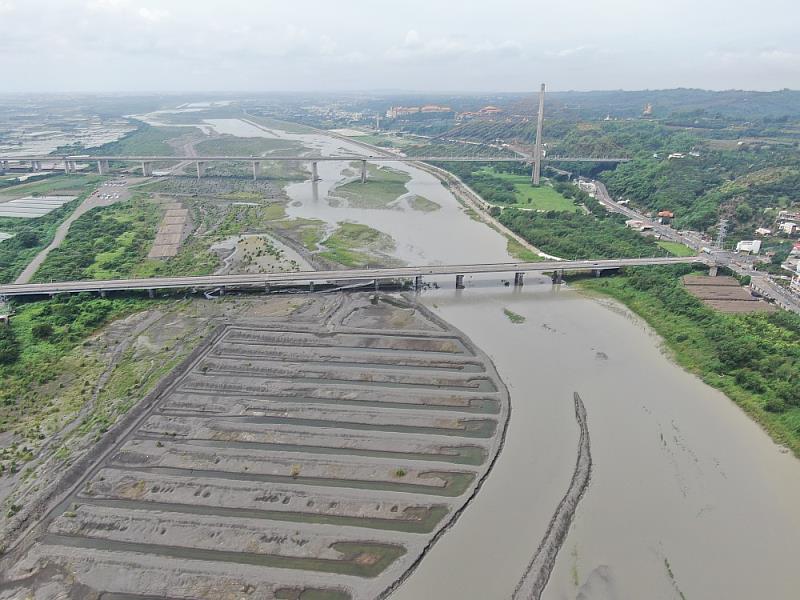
[408, 45]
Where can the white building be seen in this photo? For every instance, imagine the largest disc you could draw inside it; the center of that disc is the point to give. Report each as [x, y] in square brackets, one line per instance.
[751, 246]
[789, 227]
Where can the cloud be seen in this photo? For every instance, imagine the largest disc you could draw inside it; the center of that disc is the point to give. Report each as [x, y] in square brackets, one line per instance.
[414, 47]
[765, 57]
[153, 15]
[6, 6]
[568, 52]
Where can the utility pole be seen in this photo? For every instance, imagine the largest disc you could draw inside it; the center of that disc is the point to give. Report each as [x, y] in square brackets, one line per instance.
[537, 153]
[721, 233]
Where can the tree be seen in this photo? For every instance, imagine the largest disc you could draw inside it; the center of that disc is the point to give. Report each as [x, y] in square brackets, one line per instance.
[9, 346]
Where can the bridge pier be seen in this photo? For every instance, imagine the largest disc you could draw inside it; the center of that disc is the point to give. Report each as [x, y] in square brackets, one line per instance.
[256, 169]
[558, 277]
[102, 167]
[201, 169]
[314, 171]
[377, 284]
[36, 166]
[147, 169]
[363, 171]
[459, 282]
[266, 287]
[596, 272]
[713, 270]
[310, 286]
[3, 167]
[518, 279]
[151, 293]
[418, 282]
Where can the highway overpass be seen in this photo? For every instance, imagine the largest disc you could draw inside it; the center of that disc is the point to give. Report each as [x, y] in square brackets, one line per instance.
[266, 280]
[69, 164]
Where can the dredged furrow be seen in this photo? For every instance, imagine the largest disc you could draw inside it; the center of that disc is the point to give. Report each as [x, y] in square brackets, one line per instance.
[314, 459]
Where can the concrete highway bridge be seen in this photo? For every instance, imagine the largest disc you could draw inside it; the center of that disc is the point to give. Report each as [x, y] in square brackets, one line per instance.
[265, 281]
[69, 164]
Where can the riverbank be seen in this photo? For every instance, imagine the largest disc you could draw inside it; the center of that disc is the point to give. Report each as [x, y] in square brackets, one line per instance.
[750, 358]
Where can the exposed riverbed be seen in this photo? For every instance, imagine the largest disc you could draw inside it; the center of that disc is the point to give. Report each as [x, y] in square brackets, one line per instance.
[688, 496]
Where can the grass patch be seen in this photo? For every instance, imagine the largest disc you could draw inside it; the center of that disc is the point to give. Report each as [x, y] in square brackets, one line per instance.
[147, 140]
[254, 146]
[355, 245]
[676, 248]
[513, 317]
[423, 204]
[543, 197]
[520, 252]
[384, 186]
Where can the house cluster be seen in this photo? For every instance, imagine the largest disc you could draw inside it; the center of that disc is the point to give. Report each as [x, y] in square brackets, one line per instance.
[485, 112]
[396, 112]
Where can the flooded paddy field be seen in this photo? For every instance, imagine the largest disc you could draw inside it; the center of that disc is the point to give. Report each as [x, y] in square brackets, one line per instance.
[317, 455]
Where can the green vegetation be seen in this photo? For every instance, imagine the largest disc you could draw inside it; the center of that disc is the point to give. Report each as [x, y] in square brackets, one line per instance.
[146, 141]
[384, 186]
[355, 245]
[513, 317]
[526, 196]
[512, 189]
[35, 349]
[32, 235]
[676, 248]
[105, 243]
[423, 204]
[256, 146]
[579, 236]
[753, 358]
[520, 252]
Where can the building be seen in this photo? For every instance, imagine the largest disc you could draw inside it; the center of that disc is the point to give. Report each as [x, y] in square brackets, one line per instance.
[763, 231]
[676, 155]
[490, 110]
[789, 227]
[750, 246]
[638, 225]
[395, 112]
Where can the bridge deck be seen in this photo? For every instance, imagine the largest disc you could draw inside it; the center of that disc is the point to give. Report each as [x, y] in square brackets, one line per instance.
[261, 280]
[353, 157]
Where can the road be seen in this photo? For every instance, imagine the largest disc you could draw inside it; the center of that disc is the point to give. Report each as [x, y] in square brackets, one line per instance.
[95, 200]
[761, 282]
[261, 280]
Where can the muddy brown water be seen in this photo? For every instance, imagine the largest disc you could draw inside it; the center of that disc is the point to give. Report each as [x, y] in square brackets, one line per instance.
[683, 481]
[688, 496]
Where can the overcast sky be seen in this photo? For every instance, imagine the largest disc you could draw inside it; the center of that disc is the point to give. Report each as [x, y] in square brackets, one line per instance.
[427, 45]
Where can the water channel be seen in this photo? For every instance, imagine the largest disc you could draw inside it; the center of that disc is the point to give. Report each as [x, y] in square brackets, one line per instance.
[689, 498]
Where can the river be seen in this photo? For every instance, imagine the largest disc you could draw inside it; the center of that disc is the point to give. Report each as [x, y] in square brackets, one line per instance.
[688, 498]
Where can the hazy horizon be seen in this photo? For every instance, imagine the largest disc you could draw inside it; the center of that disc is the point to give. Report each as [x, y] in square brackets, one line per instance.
[184, 46]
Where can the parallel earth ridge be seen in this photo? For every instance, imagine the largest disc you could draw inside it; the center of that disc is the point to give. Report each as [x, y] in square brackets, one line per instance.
[315, 456]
